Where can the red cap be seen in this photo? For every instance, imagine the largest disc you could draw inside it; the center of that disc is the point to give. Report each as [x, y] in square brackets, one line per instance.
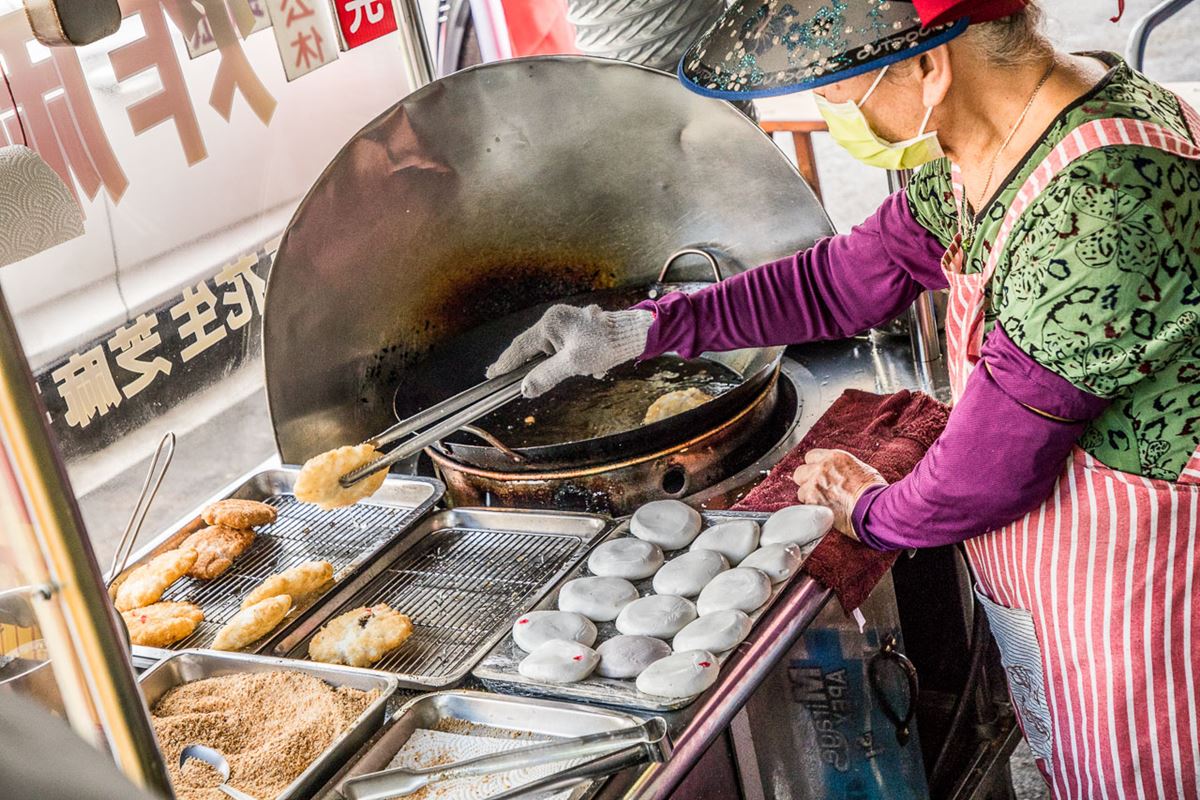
[940, 12]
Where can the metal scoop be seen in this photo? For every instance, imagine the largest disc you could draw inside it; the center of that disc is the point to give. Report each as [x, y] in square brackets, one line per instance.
[217, 762]
[400, 782]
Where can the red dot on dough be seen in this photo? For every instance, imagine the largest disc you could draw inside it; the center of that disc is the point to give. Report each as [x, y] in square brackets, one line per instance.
[705, 663]
[577, 658]
[523, 622]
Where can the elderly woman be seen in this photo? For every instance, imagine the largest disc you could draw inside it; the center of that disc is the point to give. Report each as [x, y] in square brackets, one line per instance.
[1058, 201]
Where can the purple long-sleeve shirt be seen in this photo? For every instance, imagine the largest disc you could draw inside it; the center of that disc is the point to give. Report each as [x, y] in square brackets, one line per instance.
[844, 285]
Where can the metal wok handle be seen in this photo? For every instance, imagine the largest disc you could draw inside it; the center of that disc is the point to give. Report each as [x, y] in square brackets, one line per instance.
[656, 289]
[889, 652]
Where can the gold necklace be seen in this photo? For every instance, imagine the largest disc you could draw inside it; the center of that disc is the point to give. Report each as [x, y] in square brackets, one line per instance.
[1012, 133]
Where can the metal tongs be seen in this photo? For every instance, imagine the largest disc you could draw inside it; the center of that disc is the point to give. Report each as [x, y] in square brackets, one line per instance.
[402, 781]
[442, 420]
[159, 462]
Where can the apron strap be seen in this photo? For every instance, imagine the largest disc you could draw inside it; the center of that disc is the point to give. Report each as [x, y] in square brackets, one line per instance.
[1078, 143]
[1191, 472]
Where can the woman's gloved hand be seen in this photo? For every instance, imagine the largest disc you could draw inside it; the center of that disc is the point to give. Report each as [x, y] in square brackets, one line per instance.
[580, 341]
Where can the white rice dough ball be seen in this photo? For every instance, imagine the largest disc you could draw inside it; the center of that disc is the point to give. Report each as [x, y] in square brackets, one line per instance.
[628, 557]
[626, 656]
[735, 539]
[535, 628]
[797, 524]
[778, 561]
[669, 524]
[659, 615]
[559, 661]
[688, 573]
[715, 632]
[598, 599]
[679, 675]
[741, 588]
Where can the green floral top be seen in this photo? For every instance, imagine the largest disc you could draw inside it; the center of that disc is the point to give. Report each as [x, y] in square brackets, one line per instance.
[1100, 281]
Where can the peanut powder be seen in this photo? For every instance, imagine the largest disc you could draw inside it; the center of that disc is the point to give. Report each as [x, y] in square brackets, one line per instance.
[270, 726]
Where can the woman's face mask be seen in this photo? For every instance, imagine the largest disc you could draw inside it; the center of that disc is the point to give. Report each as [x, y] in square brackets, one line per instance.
[849, 127]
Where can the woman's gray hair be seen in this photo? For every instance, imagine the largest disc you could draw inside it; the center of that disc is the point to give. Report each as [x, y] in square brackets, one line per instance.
[1013, 41]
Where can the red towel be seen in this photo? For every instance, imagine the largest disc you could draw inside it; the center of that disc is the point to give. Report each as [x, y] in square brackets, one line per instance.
[889, 432]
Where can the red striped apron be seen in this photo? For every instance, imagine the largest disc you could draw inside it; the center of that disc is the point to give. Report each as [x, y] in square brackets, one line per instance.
[1094, 597]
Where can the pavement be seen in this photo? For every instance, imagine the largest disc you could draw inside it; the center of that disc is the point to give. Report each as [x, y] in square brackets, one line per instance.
[224, 433]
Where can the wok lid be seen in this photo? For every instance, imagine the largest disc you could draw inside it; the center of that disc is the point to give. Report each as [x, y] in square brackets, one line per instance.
[496, 189]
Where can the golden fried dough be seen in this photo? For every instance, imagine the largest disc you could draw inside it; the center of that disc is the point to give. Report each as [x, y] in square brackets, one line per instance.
[148, 582]
[161, 624]
[360, 637]
[299, 581]
[677, 402]
[317, 482]
[239, 513]
[251, 624]
[216, 547]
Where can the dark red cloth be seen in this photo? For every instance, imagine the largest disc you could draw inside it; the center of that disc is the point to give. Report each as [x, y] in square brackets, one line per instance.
[889, 432]
[938, 12]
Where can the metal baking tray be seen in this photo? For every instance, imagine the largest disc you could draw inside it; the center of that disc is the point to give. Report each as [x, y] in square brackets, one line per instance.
[463, 576]
[480, 713]
[345, 537]
[193, 665]
[498, 670]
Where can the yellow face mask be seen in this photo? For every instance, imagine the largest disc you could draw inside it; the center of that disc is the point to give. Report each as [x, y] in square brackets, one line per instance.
[849, 127]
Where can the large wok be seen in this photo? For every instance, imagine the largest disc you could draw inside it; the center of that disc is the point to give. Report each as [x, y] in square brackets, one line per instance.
[590, 421]
[495, 190]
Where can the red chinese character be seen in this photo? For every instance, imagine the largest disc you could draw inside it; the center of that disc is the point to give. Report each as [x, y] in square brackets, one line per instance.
[305, 51]
[156, 51]
[53, 99]
[295, 10]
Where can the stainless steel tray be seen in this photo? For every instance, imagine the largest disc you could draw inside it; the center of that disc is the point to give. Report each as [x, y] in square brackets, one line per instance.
[479, 713]
[498, 670]
[462, 576]
[346, 537]
[193, 665]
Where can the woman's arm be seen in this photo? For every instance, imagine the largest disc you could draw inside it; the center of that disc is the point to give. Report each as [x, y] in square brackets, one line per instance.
[997, 460]
[841, 286]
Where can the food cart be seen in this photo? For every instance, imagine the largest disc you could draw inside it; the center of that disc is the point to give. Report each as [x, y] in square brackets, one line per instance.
[474, 206]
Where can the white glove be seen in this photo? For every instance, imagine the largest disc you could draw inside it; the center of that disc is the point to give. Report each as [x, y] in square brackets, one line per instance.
[580, 341]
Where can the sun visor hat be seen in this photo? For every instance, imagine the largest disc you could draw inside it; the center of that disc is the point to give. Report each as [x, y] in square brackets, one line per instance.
[762, 48]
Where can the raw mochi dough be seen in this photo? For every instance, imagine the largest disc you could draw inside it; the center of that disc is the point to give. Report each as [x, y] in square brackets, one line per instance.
[688, 573]
[683, 674]
[797, 524]
[778, 561]
[743, 588]
[659, 615]
[535, 628]
[627, 558]
[598, 599]
[669, 524]
[735, 540]
[627, 656]
[715, 632]
[559, 661]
